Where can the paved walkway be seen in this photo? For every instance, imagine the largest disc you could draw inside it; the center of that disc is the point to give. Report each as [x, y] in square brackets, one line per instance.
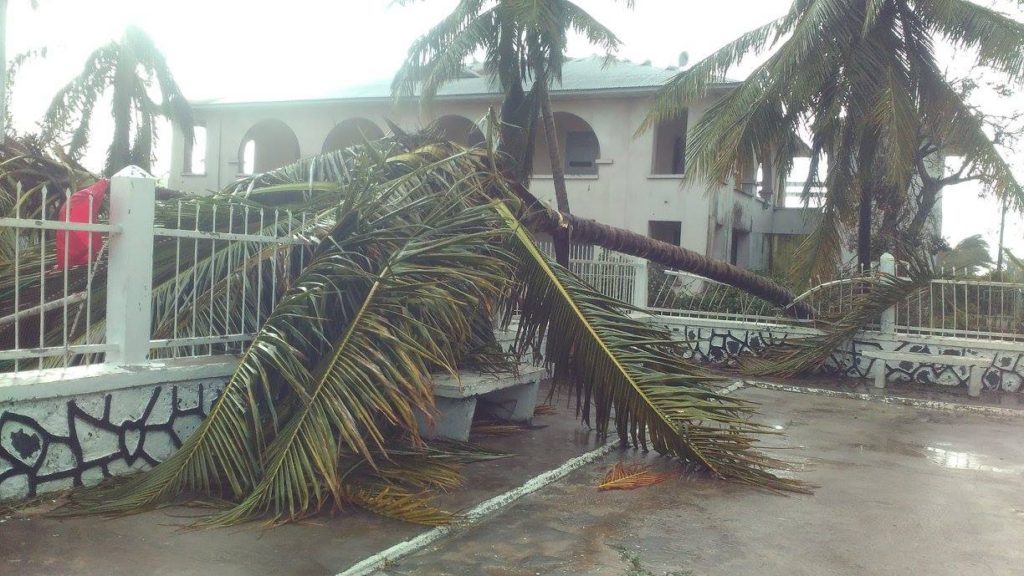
[903, 490]
[154, 543]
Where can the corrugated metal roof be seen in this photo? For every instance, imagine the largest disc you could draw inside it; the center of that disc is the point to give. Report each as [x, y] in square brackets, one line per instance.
[594, 73]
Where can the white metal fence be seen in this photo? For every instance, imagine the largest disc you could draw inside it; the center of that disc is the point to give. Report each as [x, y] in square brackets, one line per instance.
[170, 279]
[611, 273]
[45, 301]
[963, 306]
[228, 268]
[680, 294]
[191, 278]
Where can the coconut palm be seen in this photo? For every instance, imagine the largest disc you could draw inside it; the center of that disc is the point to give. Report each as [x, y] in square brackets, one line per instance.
[408, 242]
[127, 68]
[524, 42]
[862, 78]
[968, 256]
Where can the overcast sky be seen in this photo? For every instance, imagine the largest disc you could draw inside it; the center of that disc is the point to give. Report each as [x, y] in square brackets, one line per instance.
[246, 49]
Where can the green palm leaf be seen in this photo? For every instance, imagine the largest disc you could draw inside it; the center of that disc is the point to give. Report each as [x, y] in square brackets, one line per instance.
[626, 371]
[415, 315]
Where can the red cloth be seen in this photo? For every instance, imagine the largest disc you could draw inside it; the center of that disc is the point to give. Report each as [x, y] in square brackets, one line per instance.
[77, 241]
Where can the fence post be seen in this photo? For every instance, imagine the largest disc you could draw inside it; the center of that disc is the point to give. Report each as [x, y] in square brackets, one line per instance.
[130, 270]
[640, 283]
[887, 323]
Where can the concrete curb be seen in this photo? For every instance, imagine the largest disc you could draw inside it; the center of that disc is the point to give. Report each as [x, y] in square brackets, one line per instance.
[475, 515]
[896, 400]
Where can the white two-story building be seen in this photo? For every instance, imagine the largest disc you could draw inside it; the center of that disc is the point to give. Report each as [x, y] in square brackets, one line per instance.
[613, 176]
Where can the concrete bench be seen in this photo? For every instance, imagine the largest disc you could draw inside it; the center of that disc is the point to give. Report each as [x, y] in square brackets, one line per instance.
[970, 362]
[512, 396]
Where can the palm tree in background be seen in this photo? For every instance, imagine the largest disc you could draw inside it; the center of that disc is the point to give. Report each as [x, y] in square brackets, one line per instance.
[862, 78]
[440, 56]
[969, 256]
[524, 44]
[127, 68]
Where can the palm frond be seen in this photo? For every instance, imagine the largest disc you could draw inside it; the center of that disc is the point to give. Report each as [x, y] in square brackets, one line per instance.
[626, 372]
[805, 356]
[969, 26]
[415, 315]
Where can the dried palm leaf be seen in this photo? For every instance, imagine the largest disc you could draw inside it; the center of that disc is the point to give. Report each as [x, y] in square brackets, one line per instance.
[632, 476]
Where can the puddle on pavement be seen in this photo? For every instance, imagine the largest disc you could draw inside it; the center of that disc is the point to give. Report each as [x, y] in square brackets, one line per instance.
[892, 446]
[942, 454]
[963, 461]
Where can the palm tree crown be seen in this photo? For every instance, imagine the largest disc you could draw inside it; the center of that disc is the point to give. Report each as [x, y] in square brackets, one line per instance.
[862, 77]
[523, 43]
[127, 68]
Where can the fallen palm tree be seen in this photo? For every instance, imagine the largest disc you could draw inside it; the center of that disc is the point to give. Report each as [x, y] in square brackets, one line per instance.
[408, 242]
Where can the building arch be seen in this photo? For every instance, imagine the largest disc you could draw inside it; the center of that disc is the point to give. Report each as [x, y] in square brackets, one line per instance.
[460, 130]
[578, 146]
[350, 132]
[267, 145]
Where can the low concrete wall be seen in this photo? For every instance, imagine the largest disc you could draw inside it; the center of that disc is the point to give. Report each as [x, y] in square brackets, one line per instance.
[74, 427]
[724, 342]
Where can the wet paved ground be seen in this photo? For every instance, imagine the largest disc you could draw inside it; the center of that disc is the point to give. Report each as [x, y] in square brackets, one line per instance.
[902, 490]
[154, 543]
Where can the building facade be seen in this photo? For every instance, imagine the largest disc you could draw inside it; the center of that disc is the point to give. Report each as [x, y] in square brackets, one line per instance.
[613, 175]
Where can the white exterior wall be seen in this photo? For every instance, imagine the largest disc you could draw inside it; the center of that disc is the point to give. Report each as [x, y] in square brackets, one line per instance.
[624, 193]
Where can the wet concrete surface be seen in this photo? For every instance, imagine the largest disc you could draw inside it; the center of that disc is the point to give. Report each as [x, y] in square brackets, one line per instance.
[155, 543]
[901, 490]
[910, 389]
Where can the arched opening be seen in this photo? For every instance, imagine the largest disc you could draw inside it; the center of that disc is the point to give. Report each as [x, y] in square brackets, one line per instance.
[460, 130]
[577, 144]
[350, 132]
[268, 145]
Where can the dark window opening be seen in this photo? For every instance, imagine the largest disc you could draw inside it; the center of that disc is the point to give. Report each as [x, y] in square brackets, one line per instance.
[740, 248]
[581, 153]
[665, 231]
[670, 147]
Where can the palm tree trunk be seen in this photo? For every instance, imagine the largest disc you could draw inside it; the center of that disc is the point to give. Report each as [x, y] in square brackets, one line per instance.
[119, 155]
[561, 237]
[669, 255]
[929, 195]
[544, 220]
[864, 228]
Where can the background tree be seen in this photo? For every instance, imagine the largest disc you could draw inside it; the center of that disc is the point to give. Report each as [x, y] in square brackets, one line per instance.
[861, 77]
[523, 43]
[127, 69]
[969, 256]
[439, 57]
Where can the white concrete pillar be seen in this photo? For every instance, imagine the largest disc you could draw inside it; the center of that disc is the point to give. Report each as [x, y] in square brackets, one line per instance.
[887, 265]
[130, 271]
[640, 283]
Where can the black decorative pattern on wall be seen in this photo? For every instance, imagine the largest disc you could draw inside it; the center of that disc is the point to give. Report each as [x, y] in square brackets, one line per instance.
[849, 362]
[723, 346]
[1006, 372]
[36, 457]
